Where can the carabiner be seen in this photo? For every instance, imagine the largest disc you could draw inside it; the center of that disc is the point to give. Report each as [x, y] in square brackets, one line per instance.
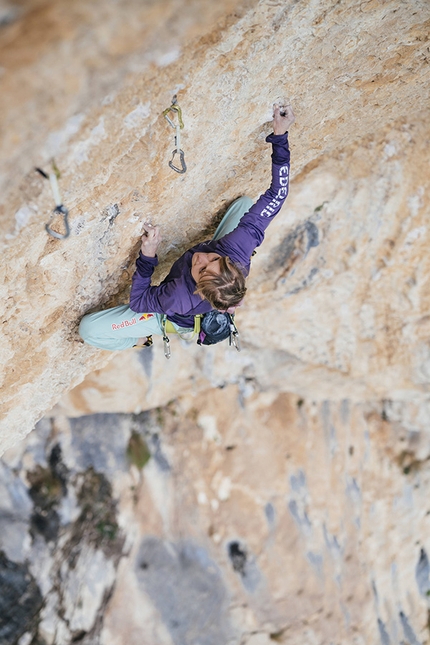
[234, 335]
[234, 340]
[183, 164]
[177, 109]
[60, 209]
[167, 352]
[166, 341]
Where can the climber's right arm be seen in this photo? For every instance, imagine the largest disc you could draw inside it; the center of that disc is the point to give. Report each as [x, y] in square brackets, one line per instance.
[168, 298]
[151, 238]
[143, 297]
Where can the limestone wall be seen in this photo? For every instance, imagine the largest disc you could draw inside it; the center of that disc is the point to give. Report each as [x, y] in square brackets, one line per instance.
[273, 495]
[88, 85]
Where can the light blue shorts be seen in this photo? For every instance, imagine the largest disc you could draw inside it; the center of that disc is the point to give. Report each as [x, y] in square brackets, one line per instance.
[120, 327]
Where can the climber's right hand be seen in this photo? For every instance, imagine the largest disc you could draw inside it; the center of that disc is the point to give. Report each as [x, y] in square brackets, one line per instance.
[150, 240]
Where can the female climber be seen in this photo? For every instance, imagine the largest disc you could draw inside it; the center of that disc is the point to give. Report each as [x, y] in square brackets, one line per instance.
[209, 276]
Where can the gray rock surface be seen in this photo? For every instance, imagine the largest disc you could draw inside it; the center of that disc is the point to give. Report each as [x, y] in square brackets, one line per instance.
[234, 517]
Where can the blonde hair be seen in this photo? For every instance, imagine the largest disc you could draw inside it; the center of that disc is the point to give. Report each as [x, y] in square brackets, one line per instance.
[225, 290]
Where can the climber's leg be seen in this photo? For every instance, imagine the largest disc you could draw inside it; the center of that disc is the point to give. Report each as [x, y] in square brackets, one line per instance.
[234, 214]
[118, 328]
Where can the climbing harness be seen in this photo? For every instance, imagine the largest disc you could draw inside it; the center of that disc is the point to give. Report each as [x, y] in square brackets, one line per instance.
[178, 127]
[169, 328]
[208, 329]
[59, 209]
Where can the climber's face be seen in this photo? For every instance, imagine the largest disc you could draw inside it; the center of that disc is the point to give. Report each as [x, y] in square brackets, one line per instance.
[205, 265]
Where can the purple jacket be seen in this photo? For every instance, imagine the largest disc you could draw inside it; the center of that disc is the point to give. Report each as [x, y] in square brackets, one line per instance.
[175, 296]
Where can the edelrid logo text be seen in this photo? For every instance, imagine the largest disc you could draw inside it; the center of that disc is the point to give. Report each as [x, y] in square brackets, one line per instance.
[125, 323]
[274, 205]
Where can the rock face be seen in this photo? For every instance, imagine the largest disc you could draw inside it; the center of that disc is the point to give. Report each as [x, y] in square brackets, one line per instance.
[60, 535]
[232, 517]
[273, 495]
[347, 267]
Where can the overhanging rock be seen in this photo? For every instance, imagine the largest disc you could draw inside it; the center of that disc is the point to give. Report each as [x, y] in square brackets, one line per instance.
[90, 89]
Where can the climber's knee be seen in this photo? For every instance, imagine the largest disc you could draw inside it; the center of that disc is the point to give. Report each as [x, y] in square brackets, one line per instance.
[86, 328]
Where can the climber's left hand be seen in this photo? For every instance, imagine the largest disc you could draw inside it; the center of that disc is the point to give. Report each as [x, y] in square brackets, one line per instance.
[150, 240]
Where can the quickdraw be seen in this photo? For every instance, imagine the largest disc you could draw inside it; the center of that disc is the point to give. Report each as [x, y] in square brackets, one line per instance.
[59, 209]
[234, 339]
[178, 127]
[166, 340]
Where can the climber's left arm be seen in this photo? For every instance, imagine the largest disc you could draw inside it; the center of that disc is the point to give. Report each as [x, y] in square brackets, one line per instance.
[240, 243]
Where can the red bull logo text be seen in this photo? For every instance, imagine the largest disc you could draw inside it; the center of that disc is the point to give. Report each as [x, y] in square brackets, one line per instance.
[124, 323]
[133, 321]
